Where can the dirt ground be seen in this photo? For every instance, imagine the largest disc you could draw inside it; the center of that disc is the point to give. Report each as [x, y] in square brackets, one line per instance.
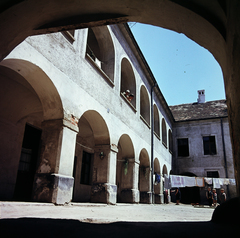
[121, 220]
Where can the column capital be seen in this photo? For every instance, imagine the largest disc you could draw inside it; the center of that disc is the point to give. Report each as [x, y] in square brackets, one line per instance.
[61, 122]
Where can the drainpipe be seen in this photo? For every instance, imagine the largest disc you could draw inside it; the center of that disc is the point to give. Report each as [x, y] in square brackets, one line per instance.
[224, 155]
[152, 143]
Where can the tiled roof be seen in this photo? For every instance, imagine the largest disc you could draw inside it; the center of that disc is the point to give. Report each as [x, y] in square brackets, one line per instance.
[199, 111]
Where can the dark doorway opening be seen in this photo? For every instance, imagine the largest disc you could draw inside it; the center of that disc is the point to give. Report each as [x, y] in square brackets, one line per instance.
[190, 195]
[27, 164]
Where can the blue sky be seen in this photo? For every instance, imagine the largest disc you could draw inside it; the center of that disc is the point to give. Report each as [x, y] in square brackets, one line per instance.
[180, 66]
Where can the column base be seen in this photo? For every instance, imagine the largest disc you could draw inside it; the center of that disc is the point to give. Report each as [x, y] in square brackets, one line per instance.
[53, 188]
[129, 196]
[158, 198]
[146, 197]
[104, 193]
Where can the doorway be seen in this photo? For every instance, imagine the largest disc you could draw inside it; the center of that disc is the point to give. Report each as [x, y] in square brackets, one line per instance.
[27, 164]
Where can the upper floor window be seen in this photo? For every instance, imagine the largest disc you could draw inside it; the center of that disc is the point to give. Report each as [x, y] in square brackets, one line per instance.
[164, 132]
[100, 50]
[170, 140]
[209, 145]
[144, 105]
[128, 83]
[69, 35]
[156, 121]
[212, 174]
[183, 148]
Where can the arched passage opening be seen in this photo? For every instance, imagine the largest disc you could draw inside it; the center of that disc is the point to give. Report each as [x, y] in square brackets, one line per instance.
[27, 98]
[157, 184]
[128, 82]
[91, 157]
[144, 177]
[125, 169]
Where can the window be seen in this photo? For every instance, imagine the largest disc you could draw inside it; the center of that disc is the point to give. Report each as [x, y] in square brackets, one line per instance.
[164, 133]
[170, 141]
[86, 168]
[212, 174]
[183, 149]
[209, 145]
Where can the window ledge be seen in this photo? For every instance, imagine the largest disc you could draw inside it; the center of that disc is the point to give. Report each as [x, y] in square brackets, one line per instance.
[94, 64]
[164, 144]
[129, 103]
[68, 36]
[157, 135]
[142, 118]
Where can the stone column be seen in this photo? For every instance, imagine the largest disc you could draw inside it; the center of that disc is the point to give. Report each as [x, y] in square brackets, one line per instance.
[104, 187]
[145, 185]
[130, 194]
[54, 181]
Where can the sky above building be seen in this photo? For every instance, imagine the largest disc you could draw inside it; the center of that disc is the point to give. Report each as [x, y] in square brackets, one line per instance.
[180, 66]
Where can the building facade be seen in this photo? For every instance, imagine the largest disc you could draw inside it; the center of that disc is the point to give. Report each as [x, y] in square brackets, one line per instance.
[80, 113]
[202, 144]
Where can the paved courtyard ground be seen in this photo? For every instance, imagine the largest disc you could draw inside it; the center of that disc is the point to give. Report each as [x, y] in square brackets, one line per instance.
[101, 220]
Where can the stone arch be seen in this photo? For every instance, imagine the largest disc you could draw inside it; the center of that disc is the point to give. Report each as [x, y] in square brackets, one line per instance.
[92, 150]
[100, 48]
[125, 169]
[28, 97]
[157, 185]
[144, 105]
[144, 177]
[164, 133]
[44, 88]
[156, 121]
[164, 170]
[128, 82]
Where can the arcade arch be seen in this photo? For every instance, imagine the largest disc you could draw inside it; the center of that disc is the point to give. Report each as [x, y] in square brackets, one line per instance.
[125, 169]
[157, 186]
[28, 98]
[91, 157]
[144, 177]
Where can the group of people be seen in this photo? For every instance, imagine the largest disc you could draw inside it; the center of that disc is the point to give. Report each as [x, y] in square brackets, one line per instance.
[212, 197]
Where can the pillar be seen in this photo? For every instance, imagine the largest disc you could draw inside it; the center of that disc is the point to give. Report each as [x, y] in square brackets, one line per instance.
[104, 189]
[53, 180]
[130, 192]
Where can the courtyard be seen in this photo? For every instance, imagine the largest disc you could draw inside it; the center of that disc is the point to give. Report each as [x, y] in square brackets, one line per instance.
[19, 219]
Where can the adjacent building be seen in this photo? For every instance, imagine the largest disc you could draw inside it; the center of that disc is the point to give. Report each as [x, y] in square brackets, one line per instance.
[201, 144]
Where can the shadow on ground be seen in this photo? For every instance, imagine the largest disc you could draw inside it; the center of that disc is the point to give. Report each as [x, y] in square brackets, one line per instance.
[36, 227]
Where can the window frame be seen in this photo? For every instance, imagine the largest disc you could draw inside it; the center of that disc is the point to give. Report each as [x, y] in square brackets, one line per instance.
[183, 154]
[212, 151]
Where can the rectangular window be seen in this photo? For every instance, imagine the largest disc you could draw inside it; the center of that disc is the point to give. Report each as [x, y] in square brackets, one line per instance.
[209, 145]
[86, 168]
[212, 174]
[183, 149]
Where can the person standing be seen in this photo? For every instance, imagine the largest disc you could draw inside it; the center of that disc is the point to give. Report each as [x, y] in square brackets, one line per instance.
[222, 196]
[209, 196]
[214, 197]
[178, 196]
